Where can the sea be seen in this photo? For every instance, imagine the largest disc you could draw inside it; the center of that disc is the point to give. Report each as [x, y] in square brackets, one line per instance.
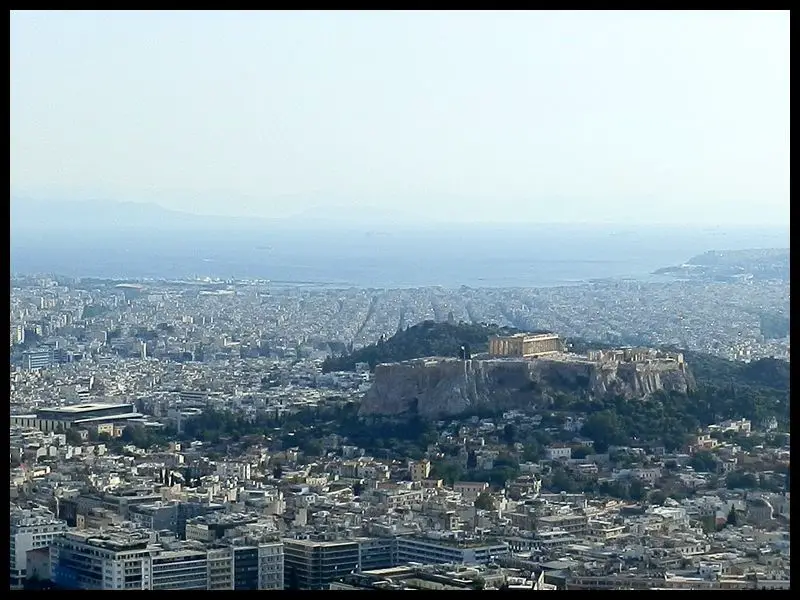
[448, 256]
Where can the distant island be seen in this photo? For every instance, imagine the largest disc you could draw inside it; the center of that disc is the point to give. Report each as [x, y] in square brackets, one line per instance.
[733, 265]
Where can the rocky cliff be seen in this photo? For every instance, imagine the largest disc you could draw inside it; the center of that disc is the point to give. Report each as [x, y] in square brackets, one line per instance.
[440, 387]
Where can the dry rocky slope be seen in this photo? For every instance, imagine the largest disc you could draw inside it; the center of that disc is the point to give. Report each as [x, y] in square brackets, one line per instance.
[440, 387]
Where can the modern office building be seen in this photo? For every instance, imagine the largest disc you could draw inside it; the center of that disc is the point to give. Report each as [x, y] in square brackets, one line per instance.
[91, 560]
[181, 569]
[446, 550]
[258, 566]
[42, 358]
[157, 516]
[31, 530]
[313, 565]
[377, 553]
[51, 419]
[220, 568]
[130, 559]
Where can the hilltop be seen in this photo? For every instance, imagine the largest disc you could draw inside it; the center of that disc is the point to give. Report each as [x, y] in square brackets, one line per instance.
[699, 392]
[428, 338]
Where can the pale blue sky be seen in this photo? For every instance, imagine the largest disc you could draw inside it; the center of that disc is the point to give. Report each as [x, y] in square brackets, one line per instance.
[657, 117]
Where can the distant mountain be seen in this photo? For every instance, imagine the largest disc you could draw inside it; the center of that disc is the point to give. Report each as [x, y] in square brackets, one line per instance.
[33, 214]
[37, 214]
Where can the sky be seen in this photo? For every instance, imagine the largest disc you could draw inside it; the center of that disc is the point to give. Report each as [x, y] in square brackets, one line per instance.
[487, 116]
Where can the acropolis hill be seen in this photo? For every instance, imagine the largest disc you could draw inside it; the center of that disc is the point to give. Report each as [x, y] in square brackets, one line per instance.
[437, 387]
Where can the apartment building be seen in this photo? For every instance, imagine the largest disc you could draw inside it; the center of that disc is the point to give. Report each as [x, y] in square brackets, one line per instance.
[313, 565]
[129, 559]
[470, 489]
[575, 524]
[419, 469]
[95, 561]
[447, 550]
[30, 530]
[184, 569]
[398, 498]
[258, 566]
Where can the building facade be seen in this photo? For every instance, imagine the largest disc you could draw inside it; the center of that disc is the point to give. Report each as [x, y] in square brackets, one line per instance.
[30, 531]
[313, 565]
[430, 551]
[524, 345]
[129, 560]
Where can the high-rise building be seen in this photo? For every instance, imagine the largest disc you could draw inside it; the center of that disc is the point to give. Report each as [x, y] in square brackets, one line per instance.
[30, 530]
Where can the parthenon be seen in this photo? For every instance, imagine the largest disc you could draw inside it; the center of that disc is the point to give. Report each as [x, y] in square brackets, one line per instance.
[525, 345]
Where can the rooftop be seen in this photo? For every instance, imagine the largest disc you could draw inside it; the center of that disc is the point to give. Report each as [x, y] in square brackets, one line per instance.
[81, 408]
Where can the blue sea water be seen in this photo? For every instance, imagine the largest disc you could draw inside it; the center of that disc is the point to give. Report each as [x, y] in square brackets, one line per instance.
[456, 256]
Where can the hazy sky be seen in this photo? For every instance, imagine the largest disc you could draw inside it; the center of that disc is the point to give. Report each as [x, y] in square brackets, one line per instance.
[536, 116]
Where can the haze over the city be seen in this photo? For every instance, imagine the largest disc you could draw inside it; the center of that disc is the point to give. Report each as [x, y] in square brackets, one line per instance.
[625, 117]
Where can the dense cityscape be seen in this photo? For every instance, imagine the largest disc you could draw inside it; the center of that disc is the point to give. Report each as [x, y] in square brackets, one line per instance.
[399, 300]
[187, 435]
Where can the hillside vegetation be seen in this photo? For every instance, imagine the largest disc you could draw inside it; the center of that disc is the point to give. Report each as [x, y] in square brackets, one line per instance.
[770, 373]
[425, 339]
[724, 389]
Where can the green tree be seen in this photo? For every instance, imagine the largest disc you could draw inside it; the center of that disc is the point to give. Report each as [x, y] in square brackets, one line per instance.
[604, 429]
[73, 437]
[510, 434]
[704, 462]
[733, 519]
[484, 501]
[448, 471]
[740, 480]
[312, 448]
[636, 489]
[532, 452]
[657, 497]
[709, 524]
[581, 452]
[561, 481]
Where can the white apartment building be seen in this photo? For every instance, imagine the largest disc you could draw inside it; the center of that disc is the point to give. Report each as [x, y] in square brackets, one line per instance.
[470, 490]
[129, 560]
[30, 530]
[444, 550]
